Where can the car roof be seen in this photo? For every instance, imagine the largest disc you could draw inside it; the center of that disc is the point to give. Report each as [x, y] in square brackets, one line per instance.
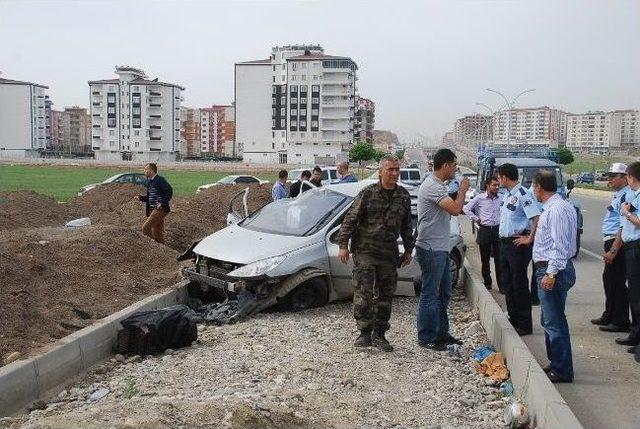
[352, 189]
[527, 162]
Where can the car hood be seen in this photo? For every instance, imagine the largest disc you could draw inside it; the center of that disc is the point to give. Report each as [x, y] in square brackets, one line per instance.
[242, 246]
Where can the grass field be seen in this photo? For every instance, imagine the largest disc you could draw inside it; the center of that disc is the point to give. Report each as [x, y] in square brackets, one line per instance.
[63, 183]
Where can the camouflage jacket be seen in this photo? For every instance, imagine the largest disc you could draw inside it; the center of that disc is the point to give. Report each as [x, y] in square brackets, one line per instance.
[375, 220]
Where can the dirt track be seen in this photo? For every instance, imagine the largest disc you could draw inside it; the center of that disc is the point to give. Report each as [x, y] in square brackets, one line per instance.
[56, 280]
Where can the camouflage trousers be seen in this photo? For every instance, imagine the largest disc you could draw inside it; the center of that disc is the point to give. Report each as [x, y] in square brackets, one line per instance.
[374, 284]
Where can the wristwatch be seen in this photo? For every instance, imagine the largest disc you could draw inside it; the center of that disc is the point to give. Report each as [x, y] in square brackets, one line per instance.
[551, 276]
[613, 250]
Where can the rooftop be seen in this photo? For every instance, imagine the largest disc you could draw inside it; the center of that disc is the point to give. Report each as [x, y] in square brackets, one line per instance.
[265, 61]
[19, 82]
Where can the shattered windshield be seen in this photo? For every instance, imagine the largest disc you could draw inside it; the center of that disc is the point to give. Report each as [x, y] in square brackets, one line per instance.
[300, 216]
[526, 175]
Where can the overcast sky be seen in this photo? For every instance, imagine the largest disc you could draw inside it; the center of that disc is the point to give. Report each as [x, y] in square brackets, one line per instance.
[424, 63]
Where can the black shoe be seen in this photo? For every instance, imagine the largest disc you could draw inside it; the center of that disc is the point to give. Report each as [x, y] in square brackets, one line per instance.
[523, 332]
[614, 328]
[440, 347]
[600, 321]
[555, 378]
[488, 286]
[535, 302]
[449, 339]
[381, 342]
[547, 368]
[627, 341]
[632, 350]
[363, 340]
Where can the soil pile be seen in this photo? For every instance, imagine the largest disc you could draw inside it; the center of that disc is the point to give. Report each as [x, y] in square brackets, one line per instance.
[55, 280]
[27, 209]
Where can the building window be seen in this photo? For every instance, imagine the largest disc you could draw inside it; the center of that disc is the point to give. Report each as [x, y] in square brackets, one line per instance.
[294, 112]
[283, 100]
[282, 111]
[111, 122]
[273, 133]
[282, 123]
[303, 88]
[274, 67]
[303, 100]
[294, 66]
[315, 88]
[294, 89]
[302, 135]
[315, 100]
[304, 77]
[136, 122]
[293, 77]
[274, 78]
[283, 78]
[112, 133]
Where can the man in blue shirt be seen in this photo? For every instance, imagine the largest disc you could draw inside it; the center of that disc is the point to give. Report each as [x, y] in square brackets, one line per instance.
[279, 190]
[518, 219]
[615, 317]
[159, 193]
[553, 248]
[630, 235]
[343, 171]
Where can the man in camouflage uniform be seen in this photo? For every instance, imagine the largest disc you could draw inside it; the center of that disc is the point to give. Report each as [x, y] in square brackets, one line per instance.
[380, 213]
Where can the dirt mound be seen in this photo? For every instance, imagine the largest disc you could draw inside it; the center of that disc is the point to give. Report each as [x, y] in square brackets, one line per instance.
[27, 209]
[55, 281]
[106, 198]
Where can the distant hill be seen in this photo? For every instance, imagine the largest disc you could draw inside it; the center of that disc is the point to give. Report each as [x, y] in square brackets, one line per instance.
[383, 139]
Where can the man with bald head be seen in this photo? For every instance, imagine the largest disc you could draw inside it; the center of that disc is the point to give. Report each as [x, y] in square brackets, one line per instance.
[343, 171]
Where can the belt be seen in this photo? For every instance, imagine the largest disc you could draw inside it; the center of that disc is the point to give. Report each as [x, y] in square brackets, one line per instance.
[489, 226]
[608, 237]
[540, 264]
[629, 244]
[510, 239]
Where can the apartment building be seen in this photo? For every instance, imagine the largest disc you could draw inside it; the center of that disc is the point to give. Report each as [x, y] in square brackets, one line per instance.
[296, 106]
[77, 130]
[57, 130]
[135, 118]
[629, 121]
[604, 132]
[209, 131]
[364, 120]
[22, 118]
[541, 126]
[473, 129]
[190, 131]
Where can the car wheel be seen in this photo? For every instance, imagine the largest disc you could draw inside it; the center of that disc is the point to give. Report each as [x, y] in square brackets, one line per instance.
[310, 294]
[454, 269]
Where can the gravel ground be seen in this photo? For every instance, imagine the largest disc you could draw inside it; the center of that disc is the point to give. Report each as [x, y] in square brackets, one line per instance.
[285, 370]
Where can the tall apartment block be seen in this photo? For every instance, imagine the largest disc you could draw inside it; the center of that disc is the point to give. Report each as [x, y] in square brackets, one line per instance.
[297, 106]
[134, 118]
[22, 119]
[541, 126]
[209, 131]
[365, 119]
[190, 131]
[473, 129]
[603, 132]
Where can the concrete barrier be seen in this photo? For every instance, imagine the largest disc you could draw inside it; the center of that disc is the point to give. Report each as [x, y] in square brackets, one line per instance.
[25, 381]
[545, 404]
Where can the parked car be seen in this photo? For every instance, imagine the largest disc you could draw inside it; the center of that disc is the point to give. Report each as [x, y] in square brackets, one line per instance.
[229, 180]
[329, 175]
[408, 176]
[296, 264]
[135, 178]
[586, 177]
[601, 175]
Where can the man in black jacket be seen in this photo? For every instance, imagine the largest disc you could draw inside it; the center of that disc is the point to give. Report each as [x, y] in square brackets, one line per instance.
[298, 187]
[159, 193]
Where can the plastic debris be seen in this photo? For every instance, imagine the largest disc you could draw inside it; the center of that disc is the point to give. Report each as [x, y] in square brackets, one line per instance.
[229, 311]
[78, 223]
[507, 388]
[481, 353]
[516, 415]
[454, 350]
[98, 394]
[494, 366]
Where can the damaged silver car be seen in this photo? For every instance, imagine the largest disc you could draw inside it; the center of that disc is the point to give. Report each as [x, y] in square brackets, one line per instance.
[286, 254]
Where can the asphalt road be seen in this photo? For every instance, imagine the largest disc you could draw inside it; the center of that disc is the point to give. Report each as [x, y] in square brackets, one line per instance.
[604, 393]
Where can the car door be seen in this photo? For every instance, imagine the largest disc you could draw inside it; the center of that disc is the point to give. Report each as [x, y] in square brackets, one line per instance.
[341, 274]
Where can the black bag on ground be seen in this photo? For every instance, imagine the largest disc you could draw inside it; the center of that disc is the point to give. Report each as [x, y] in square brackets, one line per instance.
[149, 332]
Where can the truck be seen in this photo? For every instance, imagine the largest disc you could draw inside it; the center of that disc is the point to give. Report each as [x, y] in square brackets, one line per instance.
[528, 161]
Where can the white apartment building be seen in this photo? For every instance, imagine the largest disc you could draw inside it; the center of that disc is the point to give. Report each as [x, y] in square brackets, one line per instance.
[540, 126]
[296, 106]
[23, 119]
[134, 118]
[603, 132]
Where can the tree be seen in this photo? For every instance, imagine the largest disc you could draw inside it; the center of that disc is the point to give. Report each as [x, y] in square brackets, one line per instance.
[565, 156]
[362, 151]
[379, 154]
[400, 154]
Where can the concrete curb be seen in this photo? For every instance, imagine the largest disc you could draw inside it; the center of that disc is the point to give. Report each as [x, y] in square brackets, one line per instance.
[24, 381]
[545, 404]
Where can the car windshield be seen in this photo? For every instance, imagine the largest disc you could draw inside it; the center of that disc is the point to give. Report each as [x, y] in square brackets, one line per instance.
[112, 178]
[300, 216]
[527, 174]
[228, 179]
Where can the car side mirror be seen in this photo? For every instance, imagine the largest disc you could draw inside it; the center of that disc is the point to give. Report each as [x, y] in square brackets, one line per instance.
[571, 184]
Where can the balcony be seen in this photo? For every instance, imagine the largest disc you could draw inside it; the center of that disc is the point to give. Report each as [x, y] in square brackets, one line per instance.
[154, 105]
[97, 93]
[154, 117]
[155, 138]
[97, 126]
[155, 127]
[155, 94]
[96, 104]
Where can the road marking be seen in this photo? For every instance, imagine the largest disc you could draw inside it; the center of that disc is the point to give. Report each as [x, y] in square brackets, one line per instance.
[590, 253]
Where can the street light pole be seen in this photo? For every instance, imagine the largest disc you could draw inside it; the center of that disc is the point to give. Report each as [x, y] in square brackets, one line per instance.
[510, 108]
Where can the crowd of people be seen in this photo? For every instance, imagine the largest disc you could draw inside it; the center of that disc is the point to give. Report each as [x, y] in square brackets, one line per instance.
[307, 180]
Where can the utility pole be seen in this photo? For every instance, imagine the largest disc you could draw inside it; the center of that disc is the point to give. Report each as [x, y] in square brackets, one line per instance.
[509, 105]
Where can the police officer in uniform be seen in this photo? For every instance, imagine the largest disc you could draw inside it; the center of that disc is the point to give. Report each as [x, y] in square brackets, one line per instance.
[615, 317]
[379, 214]
[630, 235]
[519, 214]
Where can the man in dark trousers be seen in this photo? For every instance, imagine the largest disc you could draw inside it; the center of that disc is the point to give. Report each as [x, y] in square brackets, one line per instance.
[615, 317]
[519, 214]
[298, 187]
[159, 193]
[484, 209]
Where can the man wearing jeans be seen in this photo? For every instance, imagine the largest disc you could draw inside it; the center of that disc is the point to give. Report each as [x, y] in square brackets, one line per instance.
[435, 208]
[553, 247]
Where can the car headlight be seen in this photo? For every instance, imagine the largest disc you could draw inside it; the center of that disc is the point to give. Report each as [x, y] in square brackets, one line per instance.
[258, 268]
